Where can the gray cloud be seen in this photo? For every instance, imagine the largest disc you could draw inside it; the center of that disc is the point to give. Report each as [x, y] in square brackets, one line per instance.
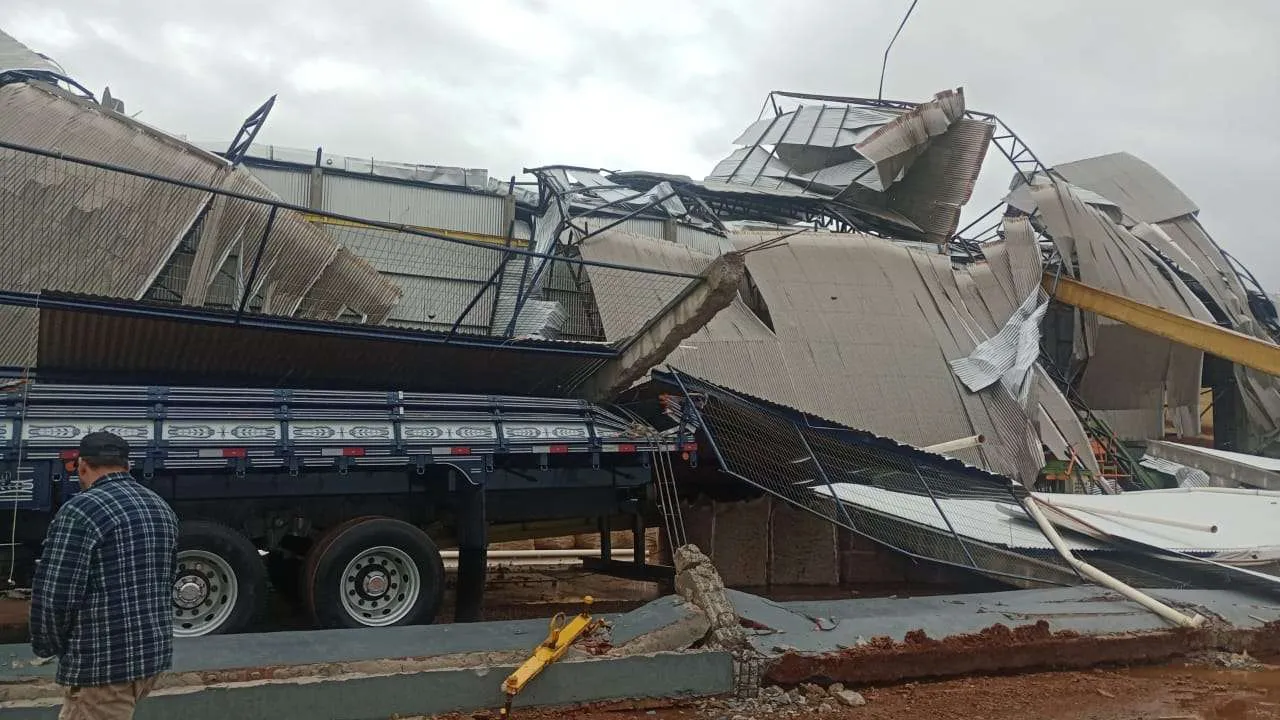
[666, 85]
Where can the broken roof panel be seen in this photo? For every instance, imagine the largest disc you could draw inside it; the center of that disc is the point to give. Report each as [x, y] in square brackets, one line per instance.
[735, 346]
[16, 56]
[860, 332]
[837, 146]
[1142, 191]
[66, 220]
[1131, 376]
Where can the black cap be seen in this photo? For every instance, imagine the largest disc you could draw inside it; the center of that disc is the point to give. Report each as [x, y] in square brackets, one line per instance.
[104, 447]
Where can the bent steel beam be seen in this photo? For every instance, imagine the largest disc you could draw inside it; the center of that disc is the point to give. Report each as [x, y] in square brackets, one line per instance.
[1227, 344]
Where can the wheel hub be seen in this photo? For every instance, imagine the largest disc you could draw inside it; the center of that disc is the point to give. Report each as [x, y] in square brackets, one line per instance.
[375, 583]
[190, 591]
[380, 586]
[204, 593]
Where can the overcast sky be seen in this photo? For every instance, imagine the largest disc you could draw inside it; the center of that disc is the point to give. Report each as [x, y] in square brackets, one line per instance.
[1187, 85]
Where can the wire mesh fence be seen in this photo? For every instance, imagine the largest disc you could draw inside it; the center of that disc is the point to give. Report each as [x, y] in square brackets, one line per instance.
[172, 225]
[922, 505]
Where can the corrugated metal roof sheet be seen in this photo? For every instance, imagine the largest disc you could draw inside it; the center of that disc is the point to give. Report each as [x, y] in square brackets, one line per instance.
[863, 332]
[938, 185]
[1131, 376]
[824, 150]
[16, 56]
[436, 303]
[734, 348]
[107, 341]
[626, 299]
[1139, 189]
[66, 222]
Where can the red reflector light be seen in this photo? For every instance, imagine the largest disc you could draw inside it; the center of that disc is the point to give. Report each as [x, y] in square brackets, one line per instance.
[353, 452]
[626, 448]
[460, 451]
[234, 453]
[558, 449]
[690, 447]
[69, 454]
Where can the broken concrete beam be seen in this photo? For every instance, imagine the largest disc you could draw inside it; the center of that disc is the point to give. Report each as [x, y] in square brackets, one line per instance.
[698, 582]
[682, 317]
[668, 624]
[362, 696]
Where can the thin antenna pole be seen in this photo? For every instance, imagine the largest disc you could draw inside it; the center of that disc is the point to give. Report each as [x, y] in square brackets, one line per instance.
[885, 63]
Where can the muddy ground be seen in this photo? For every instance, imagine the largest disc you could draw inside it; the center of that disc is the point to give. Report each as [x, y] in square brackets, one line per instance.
[1178, 692]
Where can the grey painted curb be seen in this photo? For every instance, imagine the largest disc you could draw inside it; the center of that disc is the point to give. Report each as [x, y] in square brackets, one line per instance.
[667, 675]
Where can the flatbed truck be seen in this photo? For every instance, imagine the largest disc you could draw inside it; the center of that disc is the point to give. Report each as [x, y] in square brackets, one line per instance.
[327, 497]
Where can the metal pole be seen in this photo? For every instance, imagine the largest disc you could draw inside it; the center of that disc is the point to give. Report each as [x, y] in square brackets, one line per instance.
[487, 283]
[629, 215]
[945, 519]
[257, 261]
[885, 63]
[823, 473]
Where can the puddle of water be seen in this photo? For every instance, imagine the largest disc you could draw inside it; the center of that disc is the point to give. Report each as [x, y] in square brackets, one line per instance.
[1211, 693]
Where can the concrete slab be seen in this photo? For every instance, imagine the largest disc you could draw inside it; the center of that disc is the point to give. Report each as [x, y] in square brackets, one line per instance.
[431, 692]
[225, 652]
[649, 617]
[829, 626]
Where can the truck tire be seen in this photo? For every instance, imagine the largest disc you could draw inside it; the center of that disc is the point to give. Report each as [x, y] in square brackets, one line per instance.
[287, 575]
[374, 572]
[221, 585]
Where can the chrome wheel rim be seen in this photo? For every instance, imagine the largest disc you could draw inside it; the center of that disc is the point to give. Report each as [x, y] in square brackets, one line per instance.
[204, 593]
[380, 586]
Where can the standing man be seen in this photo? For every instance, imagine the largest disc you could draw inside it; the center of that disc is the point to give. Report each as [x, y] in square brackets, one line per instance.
[102, 593]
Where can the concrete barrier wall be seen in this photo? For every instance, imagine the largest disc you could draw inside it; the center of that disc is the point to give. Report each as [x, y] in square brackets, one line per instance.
[673, 675]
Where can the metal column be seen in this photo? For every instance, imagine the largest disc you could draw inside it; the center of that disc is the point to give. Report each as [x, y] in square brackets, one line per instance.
[473, 545]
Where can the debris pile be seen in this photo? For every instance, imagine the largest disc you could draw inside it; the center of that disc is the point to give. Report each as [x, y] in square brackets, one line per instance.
[806, 699]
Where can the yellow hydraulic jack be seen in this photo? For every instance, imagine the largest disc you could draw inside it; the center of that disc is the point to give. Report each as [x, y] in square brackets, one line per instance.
[560, 637]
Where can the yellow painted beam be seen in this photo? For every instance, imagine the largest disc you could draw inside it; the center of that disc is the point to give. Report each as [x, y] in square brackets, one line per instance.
[560, 636]
[457, 234]
[1227, 344]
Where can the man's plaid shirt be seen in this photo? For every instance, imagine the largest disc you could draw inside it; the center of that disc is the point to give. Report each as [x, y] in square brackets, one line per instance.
[102, 594]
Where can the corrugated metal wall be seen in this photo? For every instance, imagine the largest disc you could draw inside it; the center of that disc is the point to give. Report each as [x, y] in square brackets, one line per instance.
[703, 242]
[413, 205]
[293, 186]
[637, 226]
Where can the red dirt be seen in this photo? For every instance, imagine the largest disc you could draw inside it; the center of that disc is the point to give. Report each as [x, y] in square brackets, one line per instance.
[999, 648]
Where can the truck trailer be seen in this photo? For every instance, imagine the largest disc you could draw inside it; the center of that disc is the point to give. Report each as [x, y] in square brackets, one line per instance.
[339, 501]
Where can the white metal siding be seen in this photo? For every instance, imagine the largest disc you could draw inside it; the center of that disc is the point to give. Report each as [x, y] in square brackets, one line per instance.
[640, 226]
[293, 186]
[411, 205]
[703, 242]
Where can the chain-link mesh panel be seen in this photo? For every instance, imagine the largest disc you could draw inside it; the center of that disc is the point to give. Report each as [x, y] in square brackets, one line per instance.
[923, 505]
[216, 237]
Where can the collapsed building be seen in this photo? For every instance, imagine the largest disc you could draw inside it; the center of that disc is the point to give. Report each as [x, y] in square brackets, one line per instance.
[859, 299]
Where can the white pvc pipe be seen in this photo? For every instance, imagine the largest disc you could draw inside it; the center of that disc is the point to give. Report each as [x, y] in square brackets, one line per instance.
[571, 554]
[1092, 573]
[1132, 516]
[954, 445]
